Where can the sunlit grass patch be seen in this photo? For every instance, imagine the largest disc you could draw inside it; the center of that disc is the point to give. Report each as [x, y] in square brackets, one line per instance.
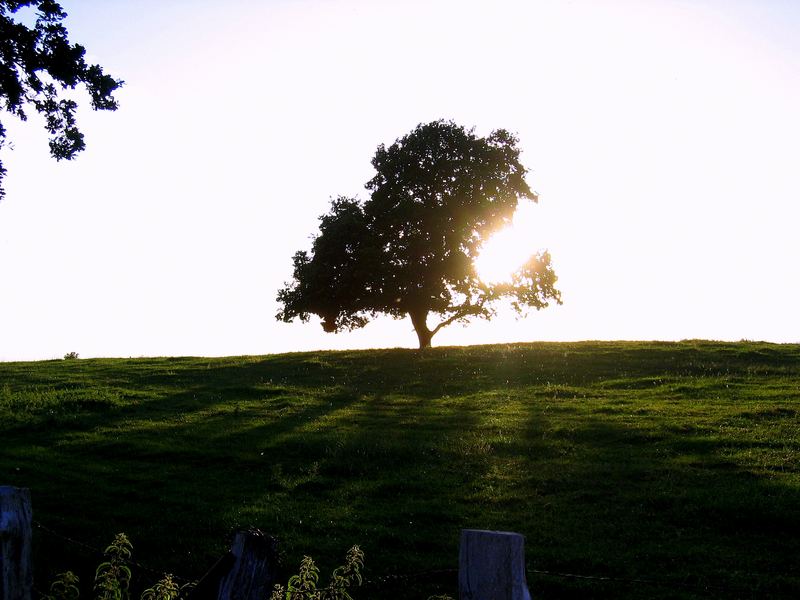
[27, 404]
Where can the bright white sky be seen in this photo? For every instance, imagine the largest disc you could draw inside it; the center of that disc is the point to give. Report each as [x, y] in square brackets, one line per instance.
[663, 138]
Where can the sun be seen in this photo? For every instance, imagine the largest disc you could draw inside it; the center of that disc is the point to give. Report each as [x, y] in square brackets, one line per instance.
[508, 249]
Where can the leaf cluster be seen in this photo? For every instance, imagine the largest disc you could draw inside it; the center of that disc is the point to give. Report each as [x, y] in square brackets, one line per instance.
[304, 585]
[165, 588]
[37, 65]
[64, 587]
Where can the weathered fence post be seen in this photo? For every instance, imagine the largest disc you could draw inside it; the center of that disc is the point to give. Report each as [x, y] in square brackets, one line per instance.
[254, 571]
[491, 566]
[16, 572]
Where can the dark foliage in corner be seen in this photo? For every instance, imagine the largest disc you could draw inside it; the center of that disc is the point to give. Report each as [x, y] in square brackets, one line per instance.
[37, 64]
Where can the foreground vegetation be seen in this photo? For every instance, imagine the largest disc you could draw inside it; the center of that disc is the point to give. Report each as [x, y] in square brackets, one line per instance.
[671, 463]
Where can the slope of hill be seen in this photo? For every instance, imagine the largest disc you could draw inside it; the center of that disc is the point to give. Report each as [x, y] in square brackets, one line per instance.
[676, 463]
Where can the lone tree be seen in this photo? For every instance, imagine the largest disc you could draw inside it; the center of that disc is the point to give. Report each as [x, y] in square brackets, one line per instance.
[438, 194]
[39, 63]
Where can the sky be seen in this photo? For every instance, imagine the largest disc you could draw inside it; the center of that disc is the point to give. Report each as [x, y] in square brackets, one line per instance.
[662, 138]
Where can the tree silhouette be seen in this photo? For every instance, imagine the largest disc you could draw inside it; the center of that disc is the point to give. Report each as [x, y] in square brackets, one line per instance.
[38, 64]
[438, 194]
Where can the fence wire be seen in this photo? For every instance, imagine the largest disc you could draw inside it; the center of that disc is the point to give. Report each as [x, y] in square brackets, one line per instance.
[101, 551]
[642, 581]
[407, 576]
[401, 578]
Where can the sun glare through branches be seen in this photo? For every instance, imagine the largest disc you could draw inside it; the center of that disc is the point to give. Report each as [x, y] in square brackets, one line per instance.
[509, 248]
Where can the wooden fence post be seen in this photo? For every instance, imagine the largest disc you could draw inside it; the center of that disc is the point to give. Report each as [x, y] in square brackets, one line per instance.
[254, 571]
[491, 566]
[16, 571]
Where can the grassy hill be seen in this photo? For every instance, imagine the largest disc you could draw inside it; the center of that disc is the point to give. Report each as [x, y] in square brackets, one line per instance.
[675, 463]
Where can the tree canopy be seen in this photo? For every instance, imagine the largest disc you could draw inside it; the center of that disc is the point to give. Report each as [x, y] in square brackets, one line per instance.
[438, 194]
[37, 64]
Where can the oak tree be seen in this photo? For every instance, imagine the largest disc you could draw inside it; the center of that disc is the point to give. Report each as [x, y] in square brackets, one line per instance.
[438, 194]
[37, 65]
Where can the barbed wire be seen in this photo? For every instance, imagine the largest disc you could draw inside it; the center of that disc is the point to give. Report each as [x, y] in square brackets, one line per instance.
[627, 580]
[403, 577]
[101, 551]
[388, 579]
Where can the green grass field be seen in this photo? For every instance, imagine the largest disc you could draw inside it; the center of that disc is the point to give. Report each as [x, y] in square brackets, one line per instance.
[676, 463]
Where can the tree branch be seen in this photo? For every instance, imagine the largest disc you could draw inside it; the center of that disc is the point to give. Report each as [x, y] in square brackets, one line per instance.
[462, 311]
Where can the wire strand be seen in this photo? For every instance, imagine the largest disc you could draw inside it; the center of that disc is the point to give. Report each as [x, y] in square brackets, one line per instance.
[101, 552]
[658, 582]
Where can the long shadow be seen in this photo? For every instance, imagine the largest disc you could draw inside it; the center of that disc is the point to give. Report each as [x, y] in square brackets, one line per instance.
[664, 513]
[160, 470]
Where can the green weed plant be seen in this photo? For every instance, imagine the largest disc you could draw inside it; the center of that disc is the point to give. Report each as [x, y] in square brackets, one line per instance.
[64, 587]
[113, 578]
[304, 585]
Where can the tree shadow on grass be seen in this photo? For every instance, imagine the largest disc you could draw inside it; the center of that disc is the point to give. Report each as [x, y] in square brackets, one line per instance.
[162, 474]
[640, 502]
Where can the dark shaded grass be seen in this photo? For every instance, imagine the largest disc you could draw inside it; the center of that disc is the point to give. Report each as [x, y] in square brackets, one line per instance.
[672, 463]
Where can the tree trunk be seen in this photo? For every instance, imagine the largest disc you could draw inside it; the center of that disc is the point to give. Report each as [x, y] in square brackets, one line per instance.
[420, 321]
